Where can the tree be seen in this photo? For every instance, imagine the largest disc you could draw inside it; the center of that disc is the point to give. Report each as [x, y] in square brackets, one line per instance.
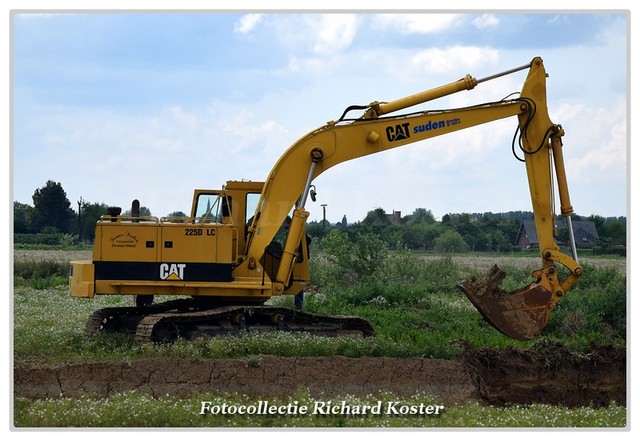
[360, 258]
[144, 211]
[421, 216]
[89, 215]
[377, 222]
[316, 229]
[51, 208]
[450, 241]
[616, 231]
[377, 219]
[599, 222]
[420, 236]
[21, 217]
[499, 242]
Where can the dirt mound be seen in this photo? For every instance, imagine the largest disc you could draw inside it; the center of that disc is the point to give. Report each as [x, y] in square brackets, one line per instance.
[545, 374]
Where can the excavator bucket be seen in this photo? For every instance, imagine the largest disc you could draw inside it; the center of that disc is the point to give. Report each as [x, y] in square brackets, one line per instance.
[520, 314]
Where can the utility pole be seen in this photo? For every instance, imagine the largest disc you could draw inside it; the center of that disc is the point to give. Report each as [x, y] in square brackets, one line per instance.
[80, 203]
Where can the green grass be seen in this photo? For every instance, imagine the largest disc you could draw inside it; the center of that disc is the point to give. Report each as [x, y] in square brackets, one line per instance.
[413, 304]
[140, 410]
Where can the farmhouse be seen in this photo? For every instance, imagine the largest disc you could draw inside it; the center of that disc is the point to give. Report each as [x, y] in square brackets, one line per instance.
[584, 231]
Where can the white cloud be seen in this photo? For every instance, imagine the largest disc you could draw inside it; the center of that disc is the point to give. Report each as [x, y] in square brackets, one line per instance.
[247, 23]
[597, 152]
[421, 23]
[614, 35]
[335, 33]
[247, 130]
[558, 18]
[486, 21]
[320, 34]
[439, 61]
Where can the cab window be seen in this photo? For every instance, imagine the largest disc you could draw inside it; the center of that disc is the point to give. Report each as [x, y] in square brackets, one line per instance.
[208, 208]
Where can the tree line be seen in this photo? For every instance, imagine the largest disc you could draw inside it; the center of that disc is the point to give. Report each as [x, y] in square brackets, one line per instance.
[53, 214]
[458, 232]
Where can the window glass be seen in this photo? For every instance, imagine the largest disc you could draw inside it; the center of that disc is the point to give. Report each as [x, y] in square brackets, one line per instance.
[252, 204]
[208, 208]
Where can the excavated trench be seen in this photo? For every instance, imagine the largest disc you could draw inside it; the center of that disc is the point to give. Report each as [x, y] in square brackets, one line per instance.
[550, 374]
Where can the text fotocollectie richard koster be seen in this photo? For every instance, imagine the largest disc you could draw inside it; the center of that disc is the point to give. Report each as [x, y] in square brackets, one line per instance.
[320, 408]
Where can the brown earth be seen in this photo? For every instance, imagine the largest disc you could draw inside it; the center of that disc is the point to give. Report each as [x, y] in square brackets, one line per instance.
[551, 374]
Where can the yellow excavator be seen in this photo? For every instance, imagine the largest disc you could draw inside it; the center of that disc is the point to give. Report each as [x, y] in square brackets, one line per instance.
[245, 243]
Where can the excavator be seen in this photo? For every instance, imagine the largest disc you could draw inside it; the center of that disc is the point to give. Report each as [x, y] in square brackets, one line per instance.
[246, 243]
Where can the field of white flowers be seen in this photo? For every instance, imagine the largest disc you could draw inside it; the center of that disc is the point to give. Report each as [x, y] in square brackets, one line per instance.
[141, 410]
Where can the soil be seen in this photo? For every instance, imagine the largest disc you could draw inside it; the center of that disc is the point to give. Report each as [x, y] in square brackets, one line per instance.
[550, 374]
[544, 374]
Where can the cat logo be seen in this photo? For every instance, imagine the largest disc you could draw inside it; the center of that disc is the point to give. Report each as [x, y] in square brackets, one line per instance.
[398, 132]
[174, 271]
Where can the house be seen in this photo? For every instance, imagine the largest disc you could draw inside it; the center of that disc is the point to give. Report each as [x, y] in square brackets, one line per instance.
[584, 232]
[396, 218]
[527, 235]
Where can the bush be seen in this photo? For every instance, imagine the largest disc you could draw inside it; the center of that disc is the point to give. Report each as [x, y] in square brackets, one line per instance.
[450, 241]
[618, 250]
[47, 239]
[596, 306]
[346, 261]
[41, 274]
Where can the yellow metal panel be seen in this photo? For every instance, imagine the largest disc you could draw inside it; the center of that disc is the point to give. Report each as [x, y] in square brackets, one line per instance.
[126, 241]
[81, 279]
[227, 244]
[215, 243]
[239, 289]
[188, 242]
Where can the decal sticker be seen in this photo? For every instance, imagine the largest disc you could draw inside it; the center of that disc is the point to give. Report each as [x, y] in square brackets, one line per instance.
[124, 240]
[398, 132]
[173, 271]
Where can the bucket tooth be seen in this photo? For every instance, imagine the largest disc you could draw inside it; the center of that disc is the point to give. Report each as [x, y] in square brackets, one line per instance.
[521, 314]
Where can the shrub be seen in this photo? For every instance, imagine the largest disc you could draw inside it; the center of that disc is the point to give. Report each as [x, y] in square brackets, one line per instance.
[596, 306]
[450, 241]
[347, 261]
[41, 274]
[47, 239]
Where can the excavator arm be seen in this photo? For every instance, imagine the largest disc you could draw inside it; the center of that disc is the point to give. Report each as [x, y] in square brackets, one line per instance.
[521, 315]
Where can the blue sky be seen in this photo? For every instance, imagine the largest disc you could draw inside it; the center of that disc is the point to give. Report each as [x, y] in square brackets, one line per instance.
[117, 106]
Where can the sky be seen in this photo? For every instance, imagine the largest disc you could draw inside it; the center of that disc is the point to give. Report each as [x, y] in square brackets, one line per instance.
[151, 105]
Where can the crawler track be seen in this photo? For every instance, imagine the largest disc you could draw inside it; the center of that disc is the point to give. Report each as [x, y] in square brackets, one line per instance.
[126, 319]
[186, 318]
